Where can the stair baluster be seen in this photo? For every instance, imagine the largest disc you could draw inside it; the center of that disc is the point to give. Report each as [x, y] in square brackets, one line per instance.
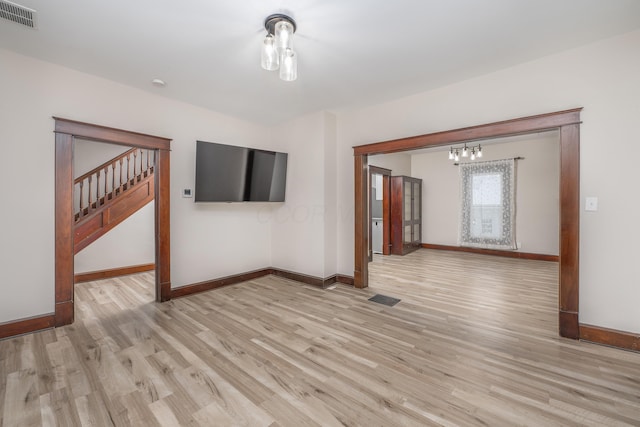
[81, 197]
[90, 192]
[135, 158]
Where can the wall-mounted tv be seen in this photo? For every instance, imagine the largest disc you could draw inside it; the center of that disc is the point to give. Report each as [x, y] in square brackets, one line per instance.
[226, 173]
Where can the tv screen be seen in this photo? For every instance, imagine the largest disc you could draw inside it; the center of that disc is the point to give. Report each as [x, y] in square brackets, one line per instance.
[226, 173]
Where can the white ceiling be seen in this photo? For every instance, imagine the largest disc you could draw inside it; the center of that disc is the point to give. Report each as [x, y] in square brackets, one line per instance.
[350, 52]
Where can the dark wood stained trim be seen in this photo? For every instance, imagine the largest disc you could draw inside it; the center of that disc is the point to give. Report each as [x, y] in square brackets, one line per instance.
[569, 228]
[208, 285]
[568, 123]
[344, 279]
[63, 229]
[244, 277]
[611, 337]
[24, 326]
[361, 264]
[66, 131]
[506, 254]
[111, 135]
[299, 277]
[64, 313]
[163, 221]
[113, 272]
[517, 126]
[386, 215]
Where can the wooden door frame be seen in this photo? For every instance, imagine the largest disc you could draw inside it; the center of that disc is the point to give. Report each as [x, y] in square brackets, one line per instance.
[66, 131]
[385, 207]
[567, 122]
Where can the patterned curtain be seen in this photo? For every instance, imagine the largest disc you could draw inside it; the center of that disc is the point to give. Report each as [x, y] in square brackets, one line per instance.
[488, 211]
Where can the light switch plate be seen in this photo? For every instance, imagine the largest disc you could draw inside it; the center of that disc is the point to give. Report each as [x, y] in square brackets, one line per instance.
[591, 204]
[186, 192]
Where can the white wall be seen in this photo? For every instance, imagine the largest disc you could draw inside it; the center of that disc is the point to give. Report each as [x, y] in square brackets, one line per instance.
[397, 163]
[330, 188]
[207, 240]
[537, 191]
[132, 242]
[298, 230]
[602, 77]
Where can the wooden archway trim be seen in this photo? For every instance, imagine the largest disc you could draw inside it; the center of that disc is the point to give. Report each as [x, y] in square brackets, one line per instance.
[66, 132]
[568, 124]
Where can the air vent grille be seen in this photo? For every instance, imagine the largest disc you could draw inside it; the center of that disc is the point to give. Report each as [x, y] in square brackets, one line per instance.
[18, 14]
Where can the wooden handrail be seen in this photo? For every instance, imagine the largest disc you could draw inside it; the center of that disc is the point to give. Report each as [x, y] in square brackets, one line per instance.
[104, 165]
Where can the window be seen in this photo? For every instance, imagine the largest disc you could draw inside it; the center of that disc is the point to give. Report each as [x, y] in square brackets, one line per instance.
[488, 204]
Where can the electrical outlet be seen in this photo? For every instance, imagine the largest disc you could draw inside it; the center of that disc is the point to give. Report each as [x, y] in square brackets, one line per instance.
[518, 245]
[186, 192]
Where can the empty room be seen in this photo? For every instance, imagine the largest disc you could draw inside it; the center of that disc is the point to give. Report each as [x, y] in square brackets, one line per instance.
[302, 213]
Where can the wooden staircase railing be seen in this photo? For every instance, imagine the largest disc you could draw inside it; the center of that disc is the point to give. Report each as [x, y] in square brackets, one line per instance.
[111, 192]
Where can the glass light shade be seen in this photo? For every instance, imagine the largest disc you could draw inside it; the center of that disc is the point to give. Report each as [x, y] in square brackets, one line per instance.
[473, 154]
[456, 156]
[289, 66]
[270, 59]
[465, 151]
[284, 36]
[451, 154]
[479, 151]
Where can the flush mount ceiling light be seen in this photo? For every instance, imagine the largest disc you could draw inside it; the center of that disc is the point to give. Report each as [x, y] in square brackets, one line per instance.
[277, 48]
[472, 152]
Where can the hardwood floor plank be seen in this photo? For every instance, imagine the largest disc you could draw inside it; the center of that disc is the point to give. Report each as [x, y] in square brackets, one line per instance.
[473, 341]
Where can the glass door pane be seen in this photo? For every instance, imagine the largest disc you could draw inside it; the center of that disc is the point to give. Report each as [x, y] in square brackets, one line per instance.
[407, 201]
[417, 204]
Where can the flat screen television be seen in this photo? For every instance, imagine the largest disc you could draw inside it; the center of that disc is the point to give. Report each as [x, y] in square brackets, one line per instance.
[227, 173]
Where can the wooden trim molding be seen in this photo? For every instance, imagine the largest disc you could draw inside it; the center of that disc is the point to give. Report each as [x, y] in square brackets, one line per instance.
[519, 126]
[24, 326]
[568, 124]
[303, 278]
[113, 272]
[66, 131]
[64, 229]
[611, 337]
[344, 279]
[111, 135]
[361, 264]
[208, 285]
[506, 254]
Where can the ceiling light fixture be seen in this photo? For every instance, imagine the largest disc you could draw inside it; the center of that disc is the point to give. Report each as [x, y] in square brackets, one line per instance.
[277, 48]
[472, 152]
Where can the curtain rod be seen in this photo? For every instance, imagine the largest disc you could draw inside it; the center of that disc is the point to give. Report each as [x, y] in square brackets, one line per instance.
[511, 158]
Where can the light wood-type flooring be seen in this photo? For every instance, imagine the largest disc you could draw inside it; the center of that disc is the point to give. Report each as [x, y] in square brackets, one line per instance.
[473, 342]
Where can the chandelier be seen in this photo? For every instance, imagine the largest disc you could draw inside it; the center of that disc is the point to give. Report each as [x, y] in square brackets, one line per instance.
[472, 152]
[277, 48]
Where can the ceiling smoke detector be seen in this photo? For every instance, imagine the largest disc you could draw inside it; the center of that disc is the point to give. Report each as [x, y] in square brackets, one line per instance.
[18, 14]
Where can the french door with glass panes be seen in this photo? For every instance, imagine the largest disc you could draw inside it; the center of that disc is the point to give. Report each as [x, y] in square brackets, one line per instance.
[406, 214]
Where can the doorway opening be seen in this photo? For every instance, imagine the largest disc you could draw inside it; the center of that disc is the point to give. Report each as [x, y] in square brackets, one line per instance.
[379, 211]
[567, 123]
[66, 132]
